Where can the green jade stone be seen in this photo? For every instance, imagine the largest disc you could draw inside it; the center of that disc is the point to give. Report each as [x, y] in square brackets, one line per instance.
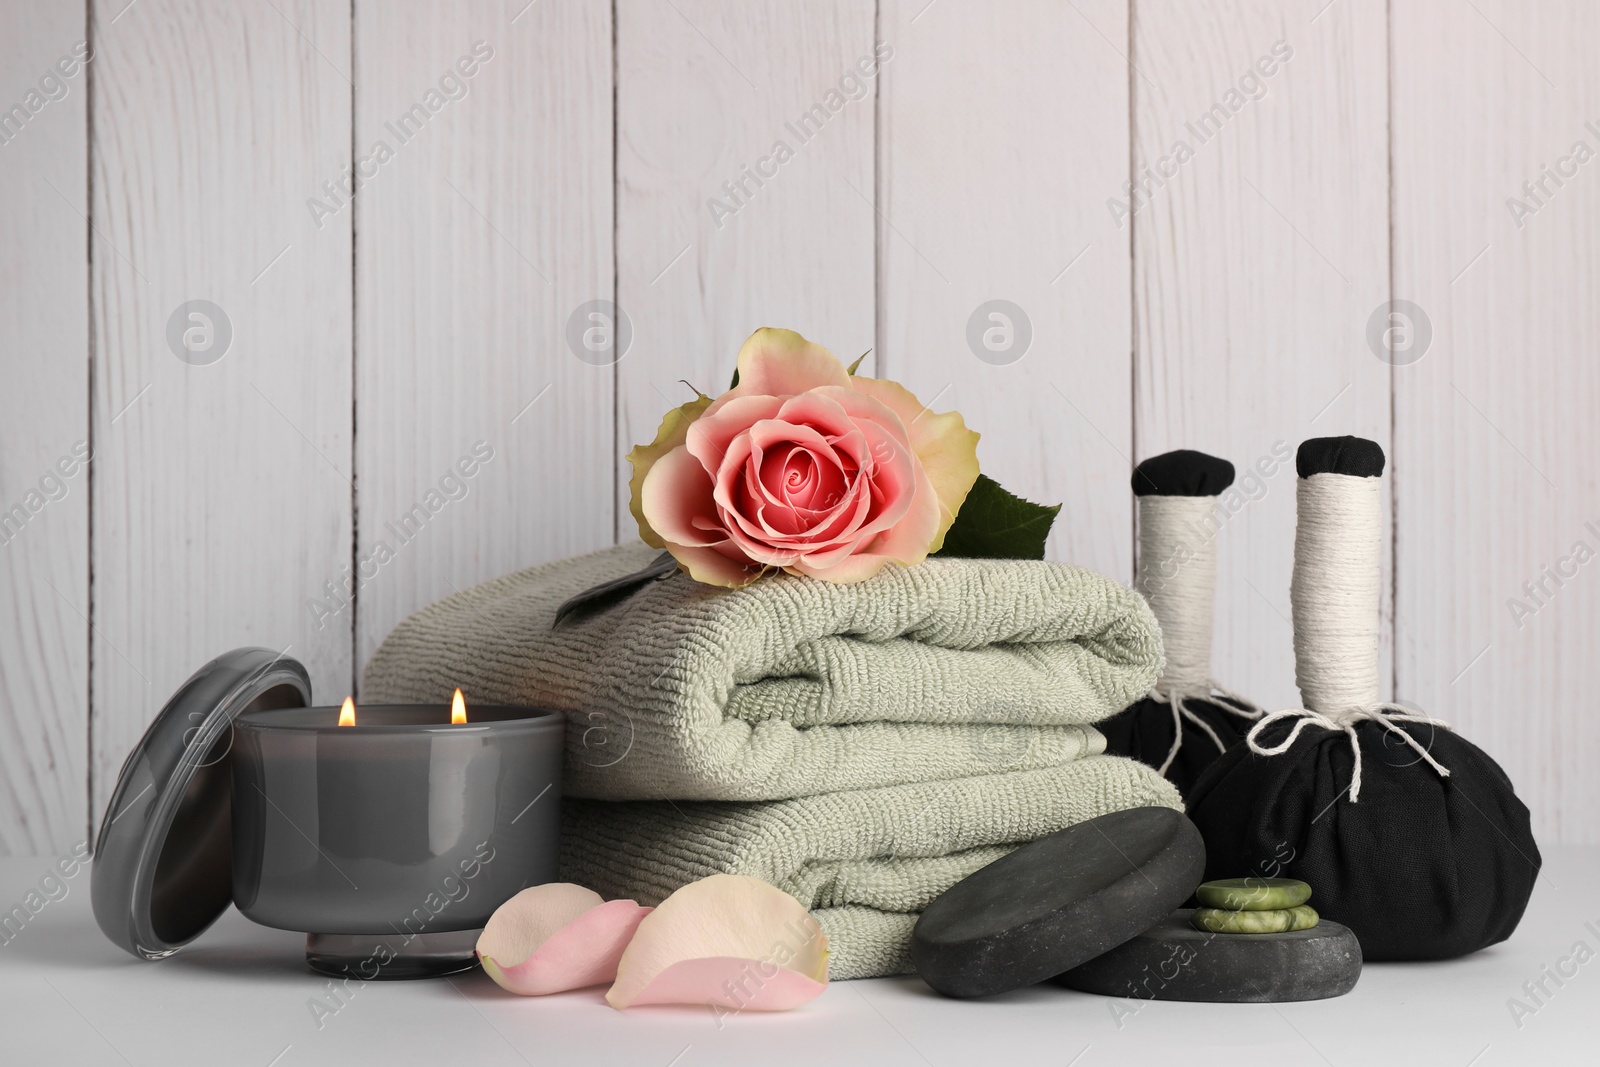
[1253, 894]
[1221, 921]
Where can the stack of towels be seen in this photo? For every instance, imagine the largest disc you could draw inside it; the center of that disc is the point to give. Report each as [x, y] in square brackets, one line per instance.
[862, 747]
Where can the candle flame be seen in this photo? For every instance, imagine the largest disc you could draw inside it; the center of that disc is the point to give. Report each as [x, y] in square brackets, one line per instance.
[458, 708]
[347, 712]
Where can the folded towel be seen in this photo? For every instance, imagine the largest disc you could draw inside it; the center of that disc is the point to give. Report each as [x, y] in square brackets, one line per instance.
[865, 862]
[790, 686]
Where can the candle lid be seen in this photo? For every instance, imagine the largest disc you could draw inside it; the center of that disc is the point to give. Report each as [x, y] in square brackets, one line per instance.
[163, 863]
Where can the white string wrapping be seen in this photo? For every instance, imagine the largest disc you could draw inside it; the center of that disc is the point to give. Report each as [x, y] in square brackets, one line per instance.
[1180, 711]
[1178, 578]
[1336, 598]
[1381, 713]
[1338, 543]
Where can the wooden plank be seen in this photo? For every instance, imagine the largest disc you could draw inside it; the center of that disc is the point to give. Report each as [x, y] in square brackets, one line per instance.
[477, 242]
[44, 421]
[737, 205]
[1258, 260]
[1496, 436]
[999, 141]
[222, 491]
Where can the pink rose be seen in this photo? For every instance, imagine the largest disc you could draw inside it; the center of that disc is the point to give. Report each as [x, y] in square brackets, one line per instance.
[801, 467]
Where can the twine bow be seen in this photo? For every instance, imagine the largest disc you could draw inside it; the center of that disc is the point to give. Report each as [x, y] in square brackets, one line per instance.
[1180, 711]
[1346, 721]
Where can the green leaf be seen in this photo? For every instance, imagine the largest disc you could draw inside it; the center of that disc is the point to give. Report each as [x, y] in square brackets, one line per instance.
[995, 524]
[735, 383]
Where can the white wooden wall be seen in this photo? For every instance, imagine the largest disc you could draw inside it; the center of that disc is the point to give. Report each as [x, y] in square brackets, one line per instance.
[376, 344]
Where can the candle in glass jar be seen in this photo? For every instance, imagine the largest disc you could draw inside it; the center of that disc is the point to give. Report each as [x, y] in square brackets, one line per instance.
[392, 819]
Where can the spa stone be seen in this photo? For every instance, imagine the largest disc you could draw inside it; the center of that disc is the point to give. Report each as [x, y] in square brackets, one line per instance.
[1222, 921]
[1174, 961]
[1253, 894]
[1058, 901]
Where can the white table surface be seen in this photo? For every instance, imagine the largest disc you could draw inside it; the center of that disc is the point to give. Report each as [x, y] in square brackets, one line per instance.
[240, 995]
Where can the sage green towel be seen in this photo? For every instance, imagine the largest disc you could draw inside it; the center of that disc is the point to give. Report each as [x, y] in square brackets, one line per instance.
[866, 863]
[790, 686]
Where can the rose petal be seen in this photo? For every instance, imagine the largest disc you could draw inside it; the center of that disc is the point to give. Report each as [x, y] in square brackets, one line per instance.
[881, 496]
[730, 928]
[910, 540]
[784, 476]
[731, 982]
[822, 560]
[831, 410]
[880, 447]
[906, 542]
[677, 500]
[708, 439]
[847, 571]
[558, 936]
[947, 450]
[780, 521]
[782, 363]
[893, 473]
[830, 530]
[675, 494]
[717, 564]
[739, 517]
[674, 427]
[803, 480]
[745, 520]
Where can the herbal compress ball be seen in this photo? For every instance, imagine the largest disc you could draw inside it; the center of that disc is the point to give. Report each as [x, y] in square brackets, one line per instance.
[1188, 720]
[1412, 835]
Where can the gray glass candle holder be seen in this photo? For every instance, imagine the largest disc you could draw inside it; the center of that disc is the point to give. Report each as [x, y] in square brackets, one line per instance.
[392, 841]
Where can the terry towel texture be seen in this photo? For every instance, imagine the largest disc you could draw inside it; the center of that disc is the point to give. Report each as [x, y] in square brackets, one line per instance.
[866, 862]
[791, 686]
[863, 747]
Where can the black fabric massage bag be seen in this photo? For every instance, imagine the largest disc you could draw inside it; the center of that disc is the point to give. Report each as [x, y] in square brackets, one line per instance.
[1408, 833]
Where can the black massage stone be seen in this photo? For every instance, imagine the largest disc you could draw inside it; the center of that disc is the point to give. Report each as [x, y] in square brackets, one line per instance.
[1182, 473]
[1174, 961]
[1058, 901]
[1355, 456]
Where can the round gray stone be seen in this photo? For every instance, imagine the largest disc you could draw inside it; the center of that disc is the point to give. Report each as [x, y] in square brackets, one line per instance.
[1174, 961]
[1058, 901]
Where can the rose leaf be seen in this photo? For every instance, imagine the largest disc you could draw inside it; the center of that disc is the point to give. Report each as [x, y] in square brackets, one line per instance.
[996, 524]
